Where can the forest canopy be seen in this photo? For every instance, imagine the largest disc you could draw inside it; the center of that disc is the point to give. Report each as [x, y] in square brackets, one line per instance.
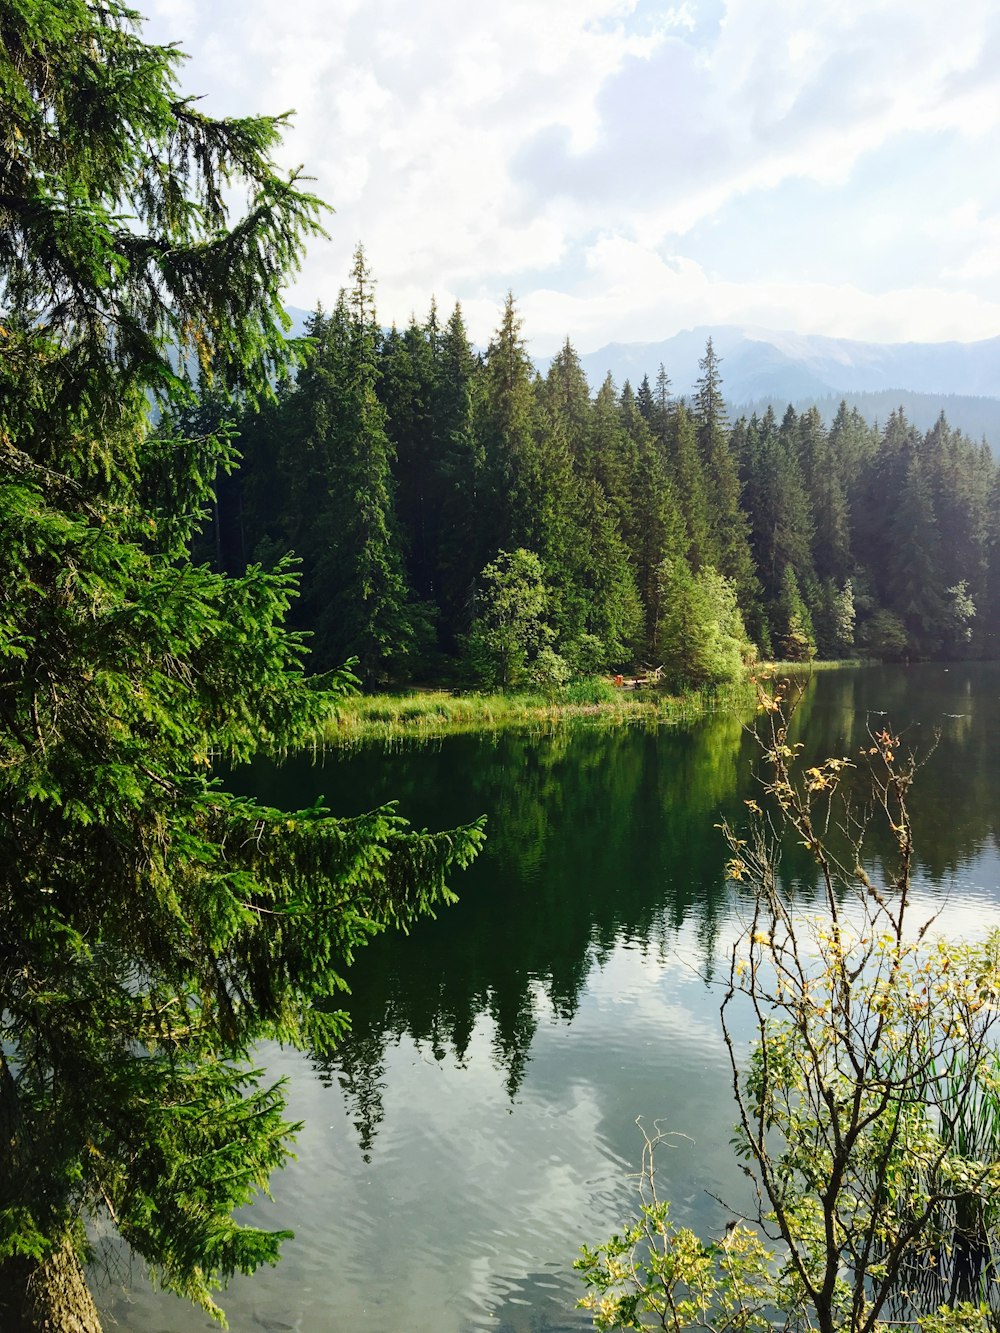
[401, 465]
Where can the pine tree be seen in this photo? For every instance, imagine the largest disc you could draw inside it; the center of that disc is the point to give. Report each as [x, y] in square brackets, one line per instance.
[674, 429]
[644, 398]
[406, 388]
[824, 473]
[795, 639]
[460, 464]
[154, 928]
[961, 476]
[610, 457]
[341, 515]
[913, 578]
[776, 501]
[874, 498]
[533, 497]
[568, 396]
[506, 425]
[658, 531]
[728, 544]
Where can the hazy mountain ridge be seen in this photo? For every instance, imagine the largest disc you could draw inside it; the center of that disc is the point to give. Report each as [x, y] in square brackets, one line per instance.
[772, 367]
[758, 363]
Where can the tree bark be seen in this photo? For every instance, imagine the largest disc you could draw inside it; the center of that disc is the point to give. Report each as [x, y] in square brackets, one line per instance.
[47, 1296]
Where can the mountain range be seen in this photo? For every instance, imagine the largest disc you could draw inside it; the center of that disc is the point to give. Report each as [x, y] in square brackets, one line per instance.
[762, 367]
[767, 367]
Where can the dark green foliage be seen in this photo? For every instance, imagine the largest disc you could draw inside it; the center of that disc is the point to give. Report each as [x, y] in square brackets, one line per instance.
[796, 639]
[825, 471]
[913, 574]
[681, 443]
[153, 928]
[459, 462]
[340, 514]
[658, 531]
[485, 456]
[728, 531]
[781, 527]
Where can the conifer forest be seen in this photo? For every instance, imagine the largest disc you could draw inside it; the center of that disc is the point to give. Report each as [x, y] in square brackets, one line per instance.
[458, 516]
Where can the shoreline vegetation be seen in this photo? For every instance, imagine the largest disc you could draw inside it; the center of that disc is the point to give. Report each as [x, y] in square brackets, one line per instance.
[435, 711]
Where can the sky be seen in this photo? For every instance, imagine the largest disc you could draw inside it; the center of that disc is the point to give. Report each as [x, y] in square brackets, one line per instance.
[631, 168]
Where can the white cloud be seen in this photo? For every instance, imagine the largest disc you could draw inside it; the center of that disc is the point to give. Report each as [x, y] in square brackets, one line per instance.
[630, 294]
[563, 149]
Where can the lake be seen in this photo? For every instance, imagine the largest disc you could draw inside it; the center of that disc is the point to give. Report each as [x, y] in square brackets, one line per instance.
[478, 1125]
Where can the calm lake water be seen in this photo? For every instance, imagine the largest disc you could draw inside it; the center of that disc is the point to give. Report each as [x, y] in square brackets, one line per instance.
[479, 1124]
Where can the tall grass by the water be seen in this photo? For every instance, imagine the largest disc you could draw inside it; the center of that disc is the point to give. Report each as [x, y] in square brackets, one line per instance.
[963, 1263]
[806, 668]
[430, 713]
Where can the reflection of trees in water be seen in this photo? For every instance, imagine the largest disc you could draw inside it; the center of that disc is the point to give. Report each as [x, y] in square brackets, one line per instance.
[595, 838]
[599, 836]
[958, 708]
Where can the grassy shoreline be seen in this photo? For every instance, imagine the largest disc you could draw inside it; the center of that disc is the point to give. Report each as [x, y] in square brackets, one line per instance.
[435, 712]
[432, 712]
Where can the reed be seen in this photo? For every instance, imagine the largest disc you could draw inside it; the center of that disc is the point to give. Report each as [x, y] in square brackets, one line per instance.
[434, 713]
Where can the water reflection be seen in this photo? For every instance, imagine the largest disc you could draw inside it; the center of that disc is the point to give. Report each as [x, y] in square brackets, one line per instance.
[477, 1125]
[604, 838]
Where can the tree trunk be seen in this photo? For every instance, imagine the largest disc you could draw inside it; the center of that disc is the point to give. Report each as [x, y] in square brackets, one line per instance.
[36, 1296]
[47, 1296]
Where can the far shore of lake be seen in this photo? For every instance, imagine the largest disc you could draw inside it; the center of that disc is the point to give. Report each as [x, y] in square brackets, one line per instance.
[433, 711]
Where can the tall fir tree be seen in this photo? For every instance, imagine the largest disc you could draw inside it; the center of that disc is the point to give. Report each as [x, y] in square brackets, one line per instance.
[728, 534]
[406, 388]
[658, 531]
[155, 929]
[825, 474]
[674, 432]
[355, 598]
[533, 492]
[459, 461]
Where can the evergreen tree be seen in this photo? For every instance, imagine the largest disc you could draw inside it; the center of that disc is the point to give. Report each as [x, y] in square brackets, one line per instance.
[506, 424]
[728, 544]
[796, 638]
[644, 399]
[824, 475]
[406, 388]
[532, 466]
[961, 476]
[154, 928]
[460, 465]
[610, 457]
[568, 396]
[834, 619]
[777, 505]
[679, 439]
[913, 580]
[609, 607]
[878, 485]
[657, 525]
[341, 516]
